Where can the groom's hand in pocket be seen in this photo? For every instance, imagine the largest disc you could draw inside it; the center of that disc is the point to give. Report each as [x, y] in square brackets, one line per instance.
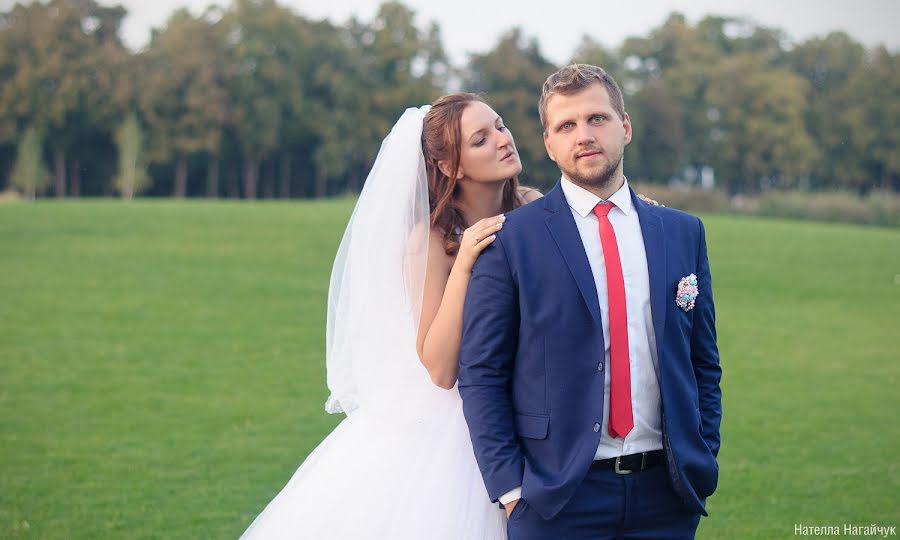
[509, 507]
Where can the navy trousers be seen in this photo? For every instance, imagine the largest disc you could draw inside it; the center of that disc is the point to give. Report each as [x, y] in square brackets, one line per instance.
[640, 505]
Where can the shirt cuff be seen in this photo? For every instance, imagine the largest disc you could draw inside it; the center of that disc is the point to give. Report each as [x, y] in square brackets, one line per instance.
[510, 496]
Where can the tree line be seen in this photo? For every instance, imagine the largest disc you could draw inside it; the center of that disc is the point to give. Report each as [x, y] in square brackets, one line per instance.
[255, 100]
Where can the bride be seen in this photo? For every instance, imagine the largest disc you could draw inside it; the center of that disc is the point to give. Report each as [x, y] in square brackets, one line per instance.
[401, 466]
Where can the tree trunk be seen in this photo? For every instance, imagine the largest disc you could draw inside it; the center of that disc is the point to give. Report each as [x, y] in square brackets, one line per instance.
[321, 185]
[351, 181]
[180, 187]
[231, 183]
[360, 179]
[212, 177]
[251, 171]
[59, 165]
[268, 187]
[75, 178]
[284, 185]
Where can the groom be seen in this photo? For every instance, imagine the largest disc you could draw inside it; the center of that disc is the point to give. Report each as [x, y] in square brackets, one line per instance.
[589, 369]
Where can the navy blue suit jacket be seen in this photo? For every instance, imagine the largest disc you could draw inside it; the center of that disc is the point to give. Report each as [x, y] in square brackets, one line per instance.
[532, 341]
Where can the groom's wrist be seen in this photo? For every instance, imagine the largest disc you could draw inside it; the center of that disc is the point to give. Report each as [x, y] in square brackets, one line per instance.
[511, 495]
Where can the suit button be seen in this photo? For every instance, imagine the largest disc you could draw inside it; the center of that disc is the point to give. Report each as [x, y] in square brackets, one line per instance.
[600, 366]
[596, 428]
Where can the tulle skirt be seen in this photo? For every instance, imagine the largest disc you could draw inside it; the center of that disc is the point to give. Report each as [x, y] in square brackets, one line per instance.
[391, 472]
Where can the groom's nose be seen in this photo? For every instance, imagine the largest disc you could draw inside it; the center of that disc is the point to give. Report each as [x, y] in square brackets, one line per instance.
[584, 135]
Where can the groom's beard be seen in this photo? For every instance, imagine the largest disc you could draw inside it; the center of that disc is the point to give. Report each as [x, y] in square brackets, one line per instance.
[601, 180]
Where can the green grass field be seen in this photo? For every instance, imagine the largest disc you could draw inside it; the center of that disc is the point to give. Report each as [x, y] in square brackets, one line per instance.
[163, 367]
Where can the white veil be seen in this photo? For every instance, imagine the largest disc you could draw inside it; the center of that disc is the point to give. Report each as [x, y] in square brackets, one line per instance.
[377, 281]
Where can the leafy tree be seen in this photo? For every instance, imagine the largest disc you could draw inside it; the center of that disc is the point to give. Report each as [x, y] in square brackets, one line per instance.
[183, 94]
[828, 64]
[132, 177]
[657, 149]
[668, 73]
[391, 65]
[873, 119]
[331, 110]
[265, 91]
[298, 107]
[758, 131]
[29, 173]
[58, 63]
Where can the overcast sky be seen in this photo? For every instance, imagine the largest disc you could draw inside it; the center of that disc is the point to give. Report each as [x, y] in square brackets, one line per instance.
[475, 25]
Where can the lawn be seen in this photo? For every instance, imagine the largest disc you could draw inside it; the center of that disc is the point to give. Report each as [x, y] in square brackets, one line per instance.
[163, 367]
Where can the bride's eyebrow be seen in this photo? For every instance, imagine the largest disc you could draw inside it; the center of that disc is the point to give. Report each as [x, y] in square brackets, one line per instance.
[475, 134]
[498, 120]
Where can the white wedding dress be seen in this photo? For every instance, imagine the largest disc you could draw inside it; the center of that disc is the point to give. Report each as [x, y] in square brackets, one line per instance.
[401, 465]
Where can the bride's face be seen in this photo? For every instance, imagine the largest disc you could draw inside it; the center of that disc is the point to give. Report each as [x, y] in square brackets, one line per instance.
[488, 152]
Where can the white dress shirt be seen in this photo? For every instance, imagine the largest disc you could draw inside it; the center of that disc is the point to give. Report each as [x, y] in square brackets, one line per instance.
[645, 404]
[646, 435]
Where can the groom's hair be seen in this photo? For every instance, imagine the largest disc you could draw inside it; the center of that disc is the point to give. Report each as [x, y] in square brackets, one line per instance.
[573, 79]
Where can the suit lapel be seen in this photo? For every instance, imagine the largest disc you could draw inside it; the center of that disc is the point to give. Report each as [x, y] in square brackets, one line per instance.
[655, 248]
[565, 234]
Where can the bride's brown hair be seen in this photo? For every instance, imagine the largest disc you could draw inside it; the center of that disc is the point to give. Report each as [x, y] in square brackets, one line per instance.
[441, 140]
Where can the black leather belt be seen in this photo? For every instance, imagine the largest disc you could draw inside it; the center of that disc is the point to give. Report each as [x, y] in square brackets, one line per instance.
[631, 463]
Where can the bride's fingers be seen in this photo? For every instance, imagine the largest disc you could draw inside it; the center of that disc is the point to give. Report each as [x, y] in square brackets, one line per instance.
[485, 231]
[487, 223]
[485, 242]
[648, 200]
[490, 229]
[477, 235]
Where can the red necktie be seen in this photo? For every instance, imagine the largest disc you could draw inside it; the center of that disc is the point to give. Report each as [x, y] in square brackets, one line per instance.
[620, 418]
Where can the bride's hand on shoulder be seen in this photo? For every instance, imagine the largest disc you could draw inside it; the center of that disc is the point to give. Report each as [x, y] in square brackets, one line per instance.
[476, 238]
[649, 201]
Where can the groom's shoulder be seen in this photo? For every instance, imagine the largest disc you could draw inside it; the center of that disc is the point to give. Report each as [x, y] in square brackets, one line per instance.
[528, 214]
[679, 226]
[677, 216]
[674, 217]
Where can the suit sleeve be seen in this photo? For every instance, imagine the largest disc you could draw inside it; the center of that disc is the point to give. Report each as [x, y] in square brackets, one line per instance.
[487, 358]
[705, 352]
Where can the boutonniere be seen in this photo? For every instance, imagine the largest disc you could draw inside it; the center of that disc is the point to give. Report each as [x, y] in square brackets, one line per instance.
[687, 292]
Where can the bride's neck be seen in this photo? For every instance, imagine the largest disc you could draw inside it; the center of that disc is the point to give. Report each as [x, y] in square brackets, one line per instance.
[479, 200]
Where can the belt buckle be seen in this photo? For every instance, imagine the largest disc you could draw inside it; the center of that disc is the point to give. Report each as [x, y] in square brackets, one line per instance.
[629, 471]
[621, 471]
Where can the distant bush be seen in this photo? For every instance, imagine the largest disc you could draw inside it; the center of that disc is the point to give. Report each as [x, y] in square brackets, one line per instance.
[880, 208]
[687, 199]
[9, 195]
[877, 208]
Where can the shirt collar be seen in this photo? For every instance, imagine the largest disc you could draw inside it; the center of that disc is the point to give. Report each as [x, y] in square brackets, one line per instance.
[583, 201]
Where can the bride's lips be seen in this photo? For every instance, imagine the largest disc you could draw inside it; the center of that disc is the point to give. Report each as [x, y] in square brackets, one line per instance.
[507, 156]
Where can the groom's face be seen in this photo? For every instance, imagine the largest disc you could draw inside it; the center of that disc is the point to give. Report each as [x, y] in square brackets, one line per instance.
[585, 135]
